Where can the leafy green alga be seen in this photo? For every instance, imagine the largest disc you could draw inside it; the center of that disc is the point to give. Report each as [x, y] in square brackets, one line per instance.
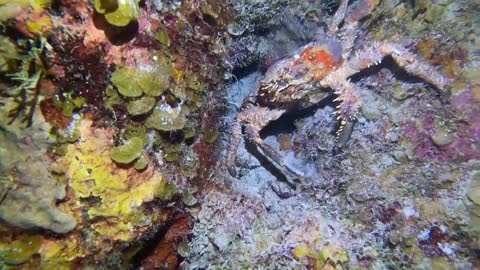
[124, 80]
[141, 106]
[128, 152]
[167, 118]
[118, 13]
[133, 83]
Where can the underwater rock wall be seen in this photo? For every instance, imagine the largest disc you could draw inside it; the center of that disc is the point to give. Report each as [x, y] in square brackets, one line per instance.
[130, 95]
[116, 120]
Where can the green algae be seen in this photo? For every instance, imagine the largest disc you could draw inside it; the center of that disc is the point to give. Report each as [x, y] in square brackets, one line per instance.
[134, 83]
[195, 84]
[188, 162]
[141, 163]
[104, 6]
[21, 250]
[167, 118]
[444, 131]
[127, 85]
[141, 106]
[189, 199]
[210, 135]
[69, 104]
[23, 65]
[172, 153]
[189, 132]
[118, 13]
[154, 83]
[165, 190]
[183, 249]
[162, 37]
[113, 98]
[8, 54]
[128, 152]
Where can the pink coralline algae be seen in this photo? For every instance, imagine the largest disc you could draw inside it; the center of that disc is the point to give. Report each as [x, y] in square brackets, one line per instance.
[464, 147]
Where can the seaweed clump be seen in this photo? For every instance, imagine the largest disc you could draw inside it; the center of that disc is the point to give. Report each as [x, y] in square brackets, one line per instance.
[160, 95]
[23, 68]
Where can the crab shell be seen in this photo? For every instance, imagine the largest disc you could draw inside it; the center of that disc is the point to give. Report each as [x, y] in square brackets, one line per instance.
[294, 81]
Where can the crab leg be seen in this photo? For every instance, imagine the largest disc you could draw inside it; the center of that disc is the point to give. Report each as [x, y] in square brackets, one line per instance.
[405, 59]
[349, 105]
[409, 63]
[347, 94]
[338, 17]
[363, 8]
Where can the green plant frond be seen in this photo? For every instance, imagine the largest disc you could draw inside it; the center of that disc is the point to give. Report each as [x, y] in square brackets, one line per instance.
[25, 77]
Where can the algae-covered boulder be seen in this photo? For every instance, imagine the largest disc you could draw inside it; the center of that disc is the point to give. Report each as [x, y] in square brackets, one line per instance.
[29, 190]
[117, 213]
[167, 118]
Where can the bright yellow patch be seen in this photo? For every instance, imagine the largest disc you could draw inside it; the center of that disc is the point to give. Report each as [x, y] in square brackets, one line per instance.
[110, 196]
[117, 193]
[40, 25]
[302, 251]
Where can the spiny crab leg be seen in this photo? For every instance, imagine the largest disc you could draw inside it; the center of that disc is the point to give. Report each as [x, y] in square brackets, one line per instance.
[338, 17]
[374, 55]
[346, 92]
[362, 10]
[346, 112]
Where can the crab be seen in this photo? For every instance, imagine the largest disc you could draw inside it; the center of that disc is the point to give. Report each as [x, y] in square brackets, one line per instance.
[314, 72]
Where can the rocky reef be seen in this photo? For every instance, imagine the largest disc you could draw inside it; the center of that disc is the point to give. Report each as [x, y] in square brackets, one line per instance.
[117, 120]
[28, 187]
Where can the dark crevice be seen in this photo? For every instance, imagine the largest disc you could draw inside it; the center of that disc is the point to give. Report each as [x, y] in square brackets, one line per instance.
[115, 34]
[399, 73]
[286, 123]
[242, 72]
[149, 245]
